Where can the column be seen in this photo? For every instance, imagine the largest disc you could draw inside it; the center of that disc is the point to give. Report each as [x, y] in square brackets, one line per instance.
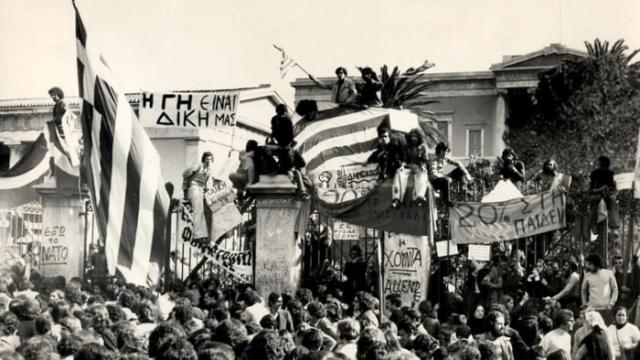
[278, 255]
[17, 151]
[499, 122]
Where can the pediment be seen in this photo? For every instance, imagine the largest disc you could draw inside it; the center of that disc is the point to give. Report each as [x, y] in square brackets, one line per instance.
[547, 57]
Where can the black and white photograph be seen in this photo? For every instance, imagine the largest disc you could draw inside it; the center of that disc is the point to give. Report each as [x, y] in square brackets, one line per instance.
[319, 180]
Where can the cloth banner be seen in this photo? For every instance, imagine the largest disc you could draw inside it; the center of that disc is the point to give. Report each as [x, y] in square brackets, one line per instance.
[507, 220]
[189, 110]
[335, 144]
[238, 262]
[406, 263]
[224, 213]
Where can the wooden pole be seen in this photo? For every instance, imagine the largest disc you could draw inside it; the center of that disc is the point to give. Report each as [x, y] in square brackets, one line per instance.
[629, 246]
[381, 275]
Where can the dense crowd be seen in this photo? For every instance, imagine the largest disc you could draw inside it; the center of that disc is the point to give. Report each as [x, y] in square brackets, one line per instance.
[551, 311]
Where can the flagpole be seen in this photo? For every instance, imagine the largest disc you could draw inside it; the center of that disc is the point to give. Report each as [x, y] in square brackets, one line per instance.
[303, 70]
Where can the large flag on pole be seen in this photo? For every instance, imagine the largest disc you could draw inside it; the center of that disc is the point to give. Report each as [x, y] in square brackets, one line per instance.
[123, 170]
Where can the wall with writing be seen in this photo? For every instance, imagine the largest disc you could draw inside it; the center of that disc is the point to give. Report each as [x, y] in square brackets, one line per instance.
[60, 250]
[278, 252]
[406, 261]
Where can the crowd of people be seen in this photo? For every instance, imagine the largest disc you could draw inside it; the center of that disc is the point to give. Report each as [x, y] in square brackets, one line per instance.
[552, 311]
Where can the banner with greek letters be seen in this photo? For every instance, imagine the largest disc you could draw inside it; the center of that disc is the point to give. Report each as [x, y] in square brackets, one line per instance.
[239, 263]
[507, 220]
[189, 110]
[406, 263]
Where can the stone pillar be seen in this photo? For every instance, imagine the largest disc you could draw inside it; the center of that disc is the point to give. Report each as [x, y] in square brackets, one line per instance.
[62, 242]
[499, 122]
[278, 255]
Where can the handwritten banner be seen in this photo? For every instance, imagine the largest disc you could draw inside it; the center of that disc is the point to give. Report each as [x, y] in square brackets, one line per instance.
[345, 231]
[189, 110]
[240, 263]
[507, 220]
[406, 262]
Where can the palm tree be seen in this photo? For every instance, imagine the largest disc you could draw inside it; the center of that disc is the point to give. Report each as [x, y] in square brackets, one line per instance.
[406, 90]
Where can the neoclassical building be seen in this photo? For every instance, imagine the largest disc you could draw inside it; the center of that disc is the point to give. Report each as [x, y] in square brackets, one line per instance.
[473, 106]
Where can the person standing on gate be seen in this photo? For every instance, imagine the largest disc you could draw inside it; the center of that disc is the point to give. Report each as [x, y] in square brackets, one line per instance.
[512, 169]
[441, 181]
[194, 185]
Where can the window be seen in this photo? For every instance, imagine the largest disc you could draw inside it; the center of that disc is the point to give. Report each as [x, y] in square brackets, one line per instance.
[475, 142]
[445, 128]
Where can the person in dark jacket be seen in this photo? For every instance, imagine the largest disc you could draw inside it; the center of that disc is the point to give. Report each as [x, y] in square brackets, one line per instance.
[368, 89]
[388, 154]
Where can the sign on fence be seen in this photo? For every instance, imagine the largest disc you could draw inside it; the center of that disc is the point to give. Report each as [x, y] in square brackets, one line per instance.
[507, 220]
[189, 110]
[406, 266]
[239, 263]
[446, 248]
[479, 252]
[345, 231]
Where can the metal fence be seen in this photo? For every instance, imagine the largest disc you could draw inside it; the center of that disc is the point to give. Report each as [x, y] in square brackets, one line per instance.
[21, 232]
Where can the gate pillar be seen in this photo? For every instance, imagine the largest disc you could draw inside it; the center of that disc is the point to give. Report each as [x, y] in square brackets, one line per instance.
[278, 254]
[62, 242]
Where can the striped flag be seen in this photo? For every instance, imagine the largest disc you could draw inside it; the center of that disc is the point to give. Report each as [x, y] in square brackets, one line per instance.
[341, 137]
[335, 145]
[286, 62]
[123, 170]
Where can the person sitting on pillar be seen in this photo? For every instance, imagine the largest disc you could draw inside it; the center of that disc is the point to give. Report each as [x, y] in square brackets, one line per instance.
[246, 173]
[194, 185]
[415, 164]
[282, 127]
[602, 187]
[388, 155]
[368, 90]
[512, 169]
[343, 91]
[436, 167]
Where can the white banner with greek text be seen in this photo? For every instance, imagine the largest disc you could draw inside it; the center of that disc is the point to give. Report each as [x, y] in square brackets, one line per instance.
[189, 110]
[406, 262]
[507, 220]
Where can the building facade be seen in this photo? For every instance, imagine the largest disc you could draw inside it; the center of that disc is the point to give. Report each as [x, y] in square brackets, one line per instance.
[472, 107]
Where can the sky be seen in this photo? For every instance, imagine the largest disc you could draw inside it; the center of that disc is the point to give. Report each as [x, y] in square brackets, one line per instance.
[164, 45]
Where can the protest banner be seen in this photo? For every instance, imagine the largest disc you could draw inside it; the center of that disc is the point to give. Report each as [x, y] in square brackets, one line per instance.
[507, 220]
[189, 110]
[224, 213]
[240, 263]
[624, 181]
[345, 231]
[406, 266]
